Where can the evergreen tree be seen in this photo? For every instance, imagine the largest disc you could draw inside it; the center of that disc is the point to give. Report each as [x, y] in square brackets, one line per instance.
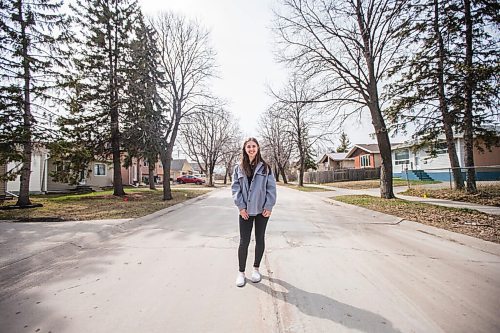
[421, 94]
[345, 144]
[101, 78]
[448, 82]
[32, 38]
[142, 121]
[475, 93]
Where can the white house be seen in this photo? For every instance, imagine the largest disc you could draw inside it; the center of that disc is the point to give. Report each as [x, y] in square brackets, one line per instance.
[417, 162]
[38, 178]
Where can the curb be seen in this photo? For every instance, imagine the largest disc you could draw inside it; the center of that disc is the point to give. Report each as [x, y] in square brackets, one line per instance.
[395, 220]
[465, 240]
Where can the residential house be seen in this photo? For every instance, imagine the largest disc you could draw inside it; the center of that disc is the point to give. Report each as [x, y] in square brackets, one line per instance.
[179, 168]
[38, 178]
[335, 161]
[365, 155]
[196, 167]
[99, 174]
[144, 172]
[416, 162]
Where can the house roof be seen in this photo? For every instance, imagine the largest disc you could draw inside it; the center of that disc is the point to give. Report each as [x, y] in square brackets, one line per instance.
[195, 166]
[176, 165]
[371, 148]
[334, 157]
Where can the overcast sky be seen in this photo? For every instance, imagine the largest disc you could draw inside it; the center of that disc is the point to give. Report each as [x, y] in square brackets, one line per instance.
[241, 35]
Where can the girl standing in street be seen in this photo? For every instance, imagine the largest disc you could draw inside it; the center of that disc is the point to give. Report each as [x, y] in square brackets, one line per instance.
[254, 193]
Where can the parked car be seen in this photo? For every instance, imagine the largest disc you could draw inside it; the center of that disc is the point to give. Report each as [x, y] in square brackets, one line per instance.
[186, 179]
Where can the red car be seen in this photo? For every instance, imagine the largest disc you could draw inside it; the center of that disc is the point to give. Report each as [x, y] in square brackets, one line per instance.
[186, 179]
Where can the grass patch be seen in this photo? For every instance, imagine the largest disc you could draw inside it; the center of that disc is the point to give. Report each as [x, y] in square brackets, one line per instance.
[465, 221]
[305, 188]
[488, 195]
[375, 183]
[97, 205]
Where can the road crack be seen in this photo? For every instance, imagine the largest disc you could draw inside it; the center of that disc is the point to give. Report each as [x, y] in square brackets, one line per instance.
[274, 294]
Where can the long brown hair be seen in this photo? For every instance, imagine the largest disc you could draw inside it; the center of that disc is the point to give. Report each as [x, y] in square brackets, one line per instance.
[245, 159]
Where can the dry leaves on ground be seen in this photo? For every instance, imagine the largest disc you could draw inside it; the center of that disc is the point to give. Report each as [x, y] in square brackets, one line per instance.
[468, 222]
[487, 195]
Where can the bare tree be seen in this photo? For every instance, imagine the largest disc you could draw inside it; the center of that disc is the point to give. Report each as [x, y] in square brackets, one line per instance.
[230, 153]
[349, 45]
[305, 123]
[205, 135]
[187, 60]
[277, 141]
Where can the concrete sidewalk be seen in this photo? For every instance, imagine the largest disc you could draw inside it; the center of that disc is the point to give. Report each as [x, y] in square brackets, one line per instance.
[440, 202]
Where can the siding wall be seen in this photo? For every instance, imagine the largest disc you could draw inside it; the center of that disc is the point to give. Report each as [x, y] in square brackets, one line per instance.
[38, 179]
[100, 181]
[53, 186]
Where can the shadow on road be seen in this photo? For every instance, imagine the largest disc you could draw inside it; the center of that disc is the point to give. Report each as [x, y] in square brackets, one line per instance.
[321, 306]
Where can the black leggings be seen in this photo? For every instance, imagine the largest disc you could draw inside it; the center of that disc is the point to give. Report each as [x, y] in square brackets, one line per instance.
[246, 233]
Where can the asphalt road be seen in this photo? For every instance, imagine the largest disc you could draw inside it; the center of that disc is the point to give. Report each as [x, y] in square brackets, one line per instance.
[327, 268]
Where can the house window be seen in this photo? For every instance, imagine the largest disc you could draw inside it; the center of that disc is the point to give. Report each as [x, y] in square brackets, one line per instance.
[364, 160]
[439, 148]
[402, 156]
[100, 169]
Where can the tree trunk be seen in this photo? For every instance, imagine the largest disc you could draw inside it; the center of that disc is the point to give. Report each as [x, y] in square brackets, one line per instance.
[151, 174]
[447, 117]
[114, 113]
[469, 86]
[276, 173]
[115, 146]
[166, 158]
[138, 171]
[283, 175]
[301, 171]
[210, 175]
[24, 190]
[384, 144]
[229, 172]
[166, 155]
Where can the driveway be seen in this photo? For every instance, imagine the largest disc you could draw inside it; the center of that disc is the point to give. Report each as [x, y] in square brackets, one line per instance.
[327, 268]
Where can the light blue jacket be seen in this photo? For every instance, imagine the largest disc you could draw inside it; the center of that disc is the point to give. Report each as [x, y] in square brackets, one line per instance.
[260, 194]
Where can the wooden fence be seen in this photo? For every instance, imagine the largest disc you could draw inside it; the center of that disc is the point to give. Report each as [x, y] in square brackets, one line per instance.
[321, 177]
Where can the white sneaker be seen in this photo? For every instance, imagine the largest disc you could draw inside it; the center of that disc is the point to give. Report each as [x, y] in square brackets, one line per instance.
[256, 276]
[240, 279]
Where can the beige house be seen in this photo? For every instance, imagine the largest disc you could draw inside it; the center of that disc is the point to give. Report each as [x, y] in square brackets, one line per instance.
[99, 174]
[179, 168]
[335, 161]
